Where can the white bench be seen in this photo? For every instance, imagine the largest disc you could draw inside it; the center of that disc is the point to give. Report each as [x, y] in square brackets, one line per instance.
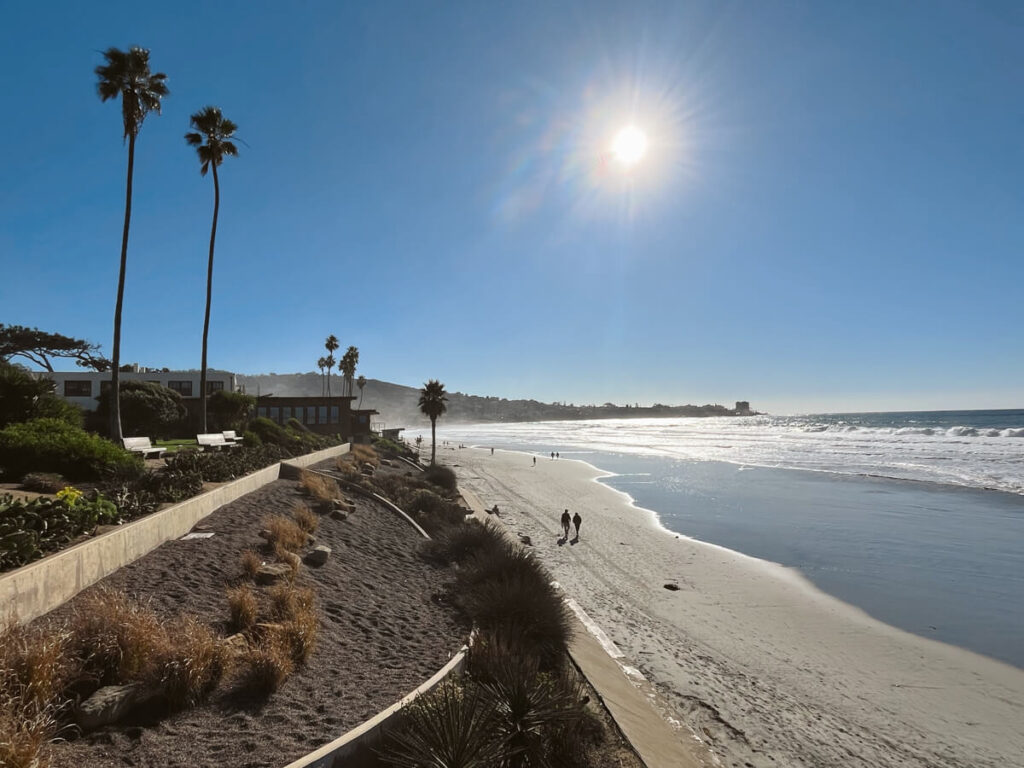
[144, 446]
[214, 442]
[231, 437]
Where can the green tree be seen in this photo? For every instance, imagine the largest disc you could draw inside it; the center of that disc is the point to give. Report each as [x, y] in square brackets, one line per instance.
[39, 346]
[349, 361]
[230, 410]
[331, 344]
[322, 364]
[23, 397]
[147, 409]
[433, 403]
[212, 140]
[126, 74]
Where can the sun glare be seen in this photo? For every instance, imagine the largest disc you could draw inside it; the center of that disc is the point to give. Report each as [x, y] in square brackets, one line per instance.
[629, 146]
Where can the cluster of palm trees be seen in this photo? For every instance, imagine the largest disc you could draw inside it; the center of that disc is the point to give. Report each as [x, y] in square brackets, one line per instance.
[126, 74]
[346, 366]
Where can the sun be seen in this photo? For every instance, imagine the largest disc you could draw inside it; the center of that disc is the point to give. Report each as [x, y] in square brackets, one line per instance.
[629, 146]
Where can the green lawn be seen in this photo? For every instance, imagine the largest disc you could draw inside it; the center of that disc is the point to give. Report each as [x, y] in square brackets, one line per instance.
[177, 444]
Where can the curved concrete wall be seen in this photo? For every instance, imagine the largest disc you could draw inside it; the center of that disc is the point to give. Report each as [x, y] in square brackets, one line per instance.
[356, 748]
[39, 587]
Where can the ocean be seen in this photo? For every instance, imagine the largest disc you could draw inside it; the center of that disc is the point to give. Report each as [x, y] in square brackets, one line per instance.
[917, 518]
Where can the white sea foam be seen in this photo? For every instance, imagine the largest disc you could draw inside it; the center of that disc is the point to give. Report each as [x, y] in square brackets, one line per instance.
[959, 455]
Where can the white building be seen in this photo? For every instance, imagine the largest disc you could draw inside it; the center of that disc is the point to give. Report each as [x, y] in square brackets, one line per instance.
[84, 387]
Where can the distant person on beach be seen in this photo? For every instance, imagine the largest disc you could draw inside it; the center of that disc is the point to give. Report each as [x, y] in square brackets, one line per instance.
[557, 456]
[565, 523]
[535, 461]
[552, 455]
[492, 451]
[576, 520]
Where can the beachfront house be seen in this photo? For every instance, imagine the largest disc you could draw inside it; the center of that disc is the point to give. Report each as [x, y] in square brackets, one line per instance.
[83, 387]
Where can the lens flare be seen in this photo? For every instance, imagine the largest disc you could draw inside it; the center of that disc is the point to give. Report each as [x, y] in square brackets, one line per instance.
[629, 146]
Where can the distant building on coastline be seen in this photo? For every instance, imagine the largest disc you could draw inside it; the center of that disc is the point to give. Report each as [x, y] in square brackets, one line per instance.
[323, 415]
[742, 407]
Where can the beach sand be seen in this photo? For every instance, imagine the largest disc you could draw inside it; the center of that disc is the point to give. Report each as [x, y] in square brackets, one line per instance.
[763, 667]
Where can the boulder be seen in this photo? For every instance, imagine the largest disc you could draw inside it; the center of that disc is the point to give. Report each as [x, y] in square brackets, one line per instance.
[525, 540]
[318, 555]
[270, 573]
[339, 515]
[111, 703]
[672, 587]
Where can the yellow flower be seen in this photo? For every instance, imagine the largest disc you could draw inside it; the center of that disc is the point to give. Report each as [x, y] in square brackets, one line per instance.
[69, 495]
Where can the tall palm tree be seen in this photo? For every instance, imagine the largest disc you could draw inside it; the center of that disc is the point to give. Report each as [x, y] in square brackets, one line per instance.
[331, 344]
[126, 74]
[361, 382]
[349, 361]
[216, 131]
[432, 404]
[321, 364]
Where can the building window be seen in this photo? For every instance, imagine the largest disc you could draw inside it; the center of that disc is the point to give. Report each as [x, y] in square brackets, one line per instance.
[310, 414]
[362, 419]
[262, 410]
[214, 386]
[77, 388]
[334, 414]
[183, 388]
[286, 412]
[323, 414]
[275, 414]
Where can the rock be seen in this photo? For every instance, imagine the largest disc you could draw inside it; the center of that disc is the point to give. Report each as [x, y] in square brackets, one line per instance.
[273, 572]
[342, 504]
[318, 555]
[525, 540]
[339, 515]
[266, 535]
[672, 586]
[236, 644]
[291, 559]
[110, 703]
[387, 462]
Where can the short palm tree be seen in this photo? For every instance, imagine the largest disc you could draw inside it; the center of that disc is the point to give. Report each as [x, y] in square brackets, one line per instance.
[126, 74]
[361, 382]
[432, 404]
[212, 140]
[331, 344]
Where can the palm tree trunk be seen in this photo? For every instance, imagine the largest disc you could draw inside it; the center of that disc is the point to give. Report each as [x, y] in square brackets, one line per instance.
[209, 294]
[115, 368]
[433, 439]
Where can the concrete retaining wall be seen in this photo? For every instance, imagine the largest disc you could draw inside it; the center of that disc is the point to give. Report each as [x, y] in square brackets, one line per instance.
[356, 748]
[39, 587]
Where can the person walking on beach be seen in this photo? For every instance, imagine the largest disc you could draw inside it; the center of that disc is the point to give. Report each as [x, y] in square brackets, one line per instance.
[535, 461]
[557, 456]
[576, 520]
[552, 455]
[565, 523]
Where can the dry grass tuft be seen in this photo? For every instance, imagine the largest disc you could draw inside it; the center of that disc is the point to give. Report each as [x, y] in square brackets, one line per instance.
[244, 608]
[251, 562]
[305, 518]
[192, 662]
[118, 638]
[348, 468]
[294, 610]
[365, 454]
[285, 533]
[319, 487]
[267, 665]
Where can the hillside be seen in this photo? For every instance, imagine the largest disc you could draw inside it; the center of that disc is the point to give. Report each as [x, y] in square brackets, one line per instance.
[397, 404]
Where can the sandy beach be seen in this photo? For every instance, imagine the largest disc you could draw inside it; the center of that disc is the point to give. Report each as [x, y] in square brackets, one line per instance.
[762, 666]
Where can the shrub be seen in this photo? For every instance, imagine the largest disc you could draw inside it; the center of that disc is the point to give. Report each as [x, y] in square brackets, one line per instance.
[191, 662]
[284, 533]
[305, 518]
[251, 439]
[458, 543]
[30, 529]
[243, 607]
[267, 665]
[365, 454]
[147, 409]
[441, 476]
[250, 562]
[298, 622]
[319, 487]
[450, 727]
[118, 639]
[229, 410]
[269, 432]
[296, 426]
[49, 445]
[43, 482]
[24, 397]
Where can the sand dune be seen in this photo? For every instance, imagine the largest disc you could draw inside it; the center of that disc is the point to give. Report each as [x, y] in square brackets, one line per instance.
[765, 668]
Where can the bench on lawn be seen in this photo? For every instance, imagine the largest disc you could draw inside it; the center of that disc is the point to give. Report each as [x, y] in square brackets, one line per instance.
[144, 446]
[214, 442]
[231, 437]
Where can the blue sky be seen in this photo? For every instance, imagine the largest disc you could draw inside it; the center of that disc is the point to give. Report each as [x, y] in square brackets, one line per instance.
[829, 216]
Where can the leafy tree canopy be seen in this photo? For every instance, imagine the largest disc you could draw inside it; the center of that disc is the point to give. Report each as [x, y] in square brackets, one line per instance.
[147, 410]
[24, 397]
[39, 346]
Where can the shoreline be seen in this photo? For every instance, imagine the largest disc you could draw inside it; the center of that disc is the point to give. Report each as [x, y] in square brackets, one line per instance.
[749, 653]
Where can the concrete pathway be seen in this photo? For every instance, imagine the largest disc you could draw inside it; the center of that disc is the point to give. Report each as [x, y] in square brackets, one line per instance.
[626, 694]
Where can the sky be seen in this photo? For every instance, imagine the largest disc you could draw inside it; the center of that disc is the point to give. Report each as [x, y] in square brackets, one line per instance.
[829, 215]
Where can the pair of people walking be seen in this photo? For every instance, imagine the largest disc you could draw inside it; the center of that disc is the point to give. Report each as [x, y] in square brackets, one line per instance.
[575, 520]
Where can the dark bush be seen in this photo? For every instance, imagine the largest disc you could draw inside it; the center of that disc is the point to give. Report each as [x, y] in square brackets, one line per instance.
[228, 410]
[24, 397]
[458, 543]
[147, 410]
[251, 439]
[50, 445]
[270, 432]
[297, 426]
[441, 476]
[30, 529]
[432, 512]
